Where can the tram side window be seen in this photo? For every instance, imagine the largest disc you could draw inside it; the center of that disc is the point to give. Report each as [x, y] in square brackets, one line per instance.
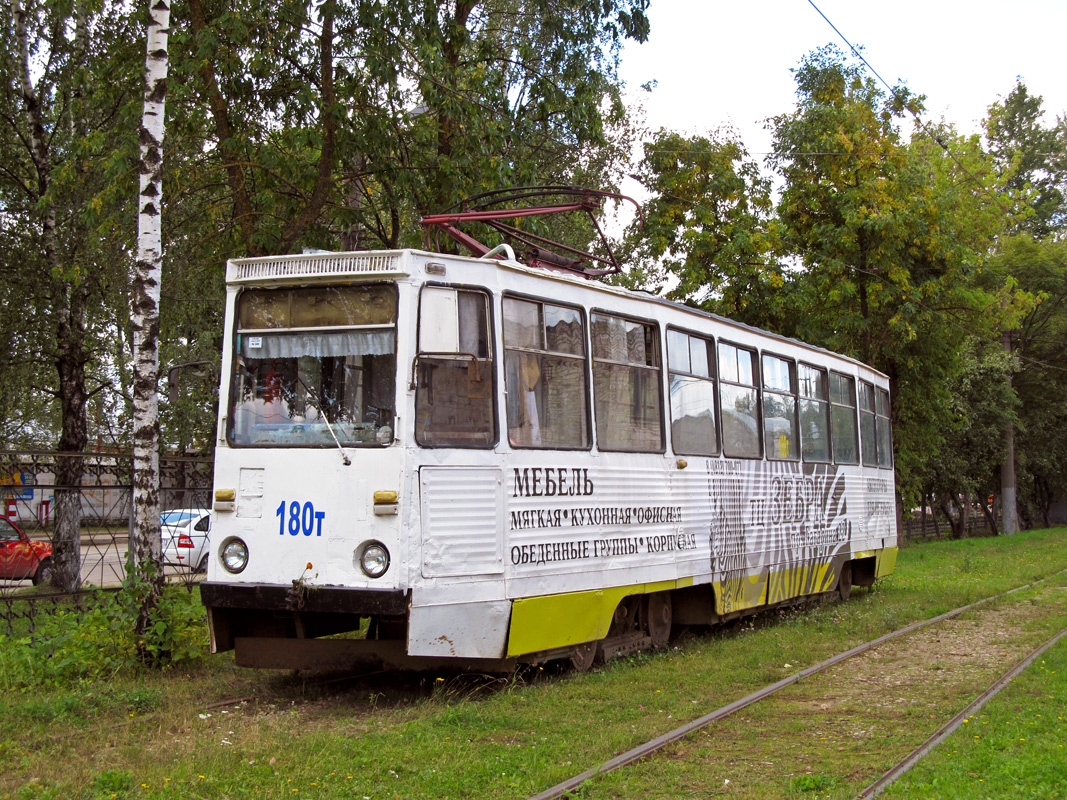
[882, 428]
[843, 418]
[814, 414]
[738, 401]
[454, 370]
[690, 363]
[544, 366]
[867, 427]
[780, 409]
[626, 385]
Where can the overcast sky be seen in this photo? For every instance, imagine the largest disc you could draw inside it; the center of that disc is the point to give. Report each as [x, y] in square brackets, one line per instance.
[719, 63]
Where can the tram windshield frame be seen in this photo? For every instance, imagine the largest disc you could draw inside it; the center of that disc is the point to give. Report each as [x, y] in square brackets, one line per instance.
[314, 366]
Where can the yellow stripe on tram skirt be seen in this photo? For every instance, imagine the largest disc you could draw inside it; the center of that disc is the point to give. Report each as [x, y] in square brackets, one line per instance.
[560, 620]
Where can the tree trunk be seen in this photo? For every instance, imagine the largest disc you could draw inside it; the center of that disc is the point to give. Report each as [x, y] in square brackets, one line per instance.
[946, 504]
[233, 161]
[454, 35]
[69, 304]
[1043, 499]
[352, 237]
[320, 192]
[933, 516]
[145, 541]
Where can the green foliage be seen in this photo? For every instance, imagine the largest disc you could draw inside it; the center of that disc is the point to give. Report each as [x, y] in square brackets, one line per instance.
[1032, 158]
[111, 783]
[341, 126]
[338, 125]
[67, 196]
[888, 230]
[1039, 370]
[332, 125]
[873, 250]
[87, 644]
[980, 406]
[811, 783]
[707, 227]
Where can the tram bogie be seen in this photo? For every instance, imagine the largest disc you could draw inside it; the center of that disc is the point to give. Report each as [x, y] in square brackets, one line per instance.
[471, 461]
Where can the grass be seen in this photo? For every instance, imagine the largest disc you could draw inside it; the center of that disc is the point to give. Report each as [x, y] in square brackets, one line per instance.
[151, 734]
[833, 734]
[1014, 747]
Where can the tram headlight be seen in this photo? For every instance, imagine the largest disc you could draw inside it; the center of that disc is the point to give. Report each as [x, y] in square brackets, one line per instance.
[373, 559]
[234, 555]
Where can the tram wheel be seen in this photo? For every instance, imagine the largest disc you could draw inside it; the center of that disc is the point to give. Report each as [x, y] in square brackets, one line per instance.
[844, 583]
[583, 656]
[658, 616]
[627, 617]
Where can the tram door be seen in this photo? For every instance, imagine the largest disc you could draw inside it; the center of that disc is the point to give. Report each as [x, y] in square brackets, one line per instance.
[462, 505]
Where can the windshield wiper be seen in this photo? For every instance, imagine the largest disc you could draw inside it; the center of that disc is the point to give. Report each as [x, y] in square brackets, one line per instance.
[311, 399]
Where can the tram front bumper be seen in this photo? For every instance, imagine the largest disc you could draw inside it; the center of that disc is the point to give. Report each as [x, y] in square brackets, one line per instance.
[277, 611]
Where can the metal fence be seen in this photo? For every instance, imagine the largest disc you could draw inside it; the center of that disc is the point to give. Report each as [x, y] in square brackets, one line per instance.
[28, 497]
[921, 529]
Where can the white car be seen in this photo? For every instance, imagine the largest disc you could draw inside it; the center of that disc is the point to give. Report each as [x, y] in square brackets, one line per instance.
[185, 533]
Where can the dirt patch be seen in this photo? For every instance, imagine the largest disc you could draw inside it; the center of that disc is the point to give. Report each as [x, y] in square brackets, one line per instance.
[941, 659]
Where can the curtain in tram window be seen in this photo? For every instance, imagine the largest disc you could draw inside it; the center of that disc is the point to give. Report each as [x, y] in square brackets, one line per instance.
[317, 345]
[627, 404]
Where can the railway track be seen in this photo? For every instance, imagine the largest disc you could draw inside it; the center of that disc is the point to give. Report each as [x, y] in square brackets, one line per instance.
[945, 730]
[653, 746]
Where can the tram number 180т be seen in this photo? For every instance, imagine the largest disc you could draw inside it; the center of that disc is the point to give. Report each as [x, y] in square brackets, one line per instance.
[301, 519]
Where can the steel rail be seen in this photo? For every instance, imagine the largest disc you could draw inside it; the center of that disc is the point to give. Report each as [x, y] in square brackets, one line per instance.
[949, 727]
[648, 748]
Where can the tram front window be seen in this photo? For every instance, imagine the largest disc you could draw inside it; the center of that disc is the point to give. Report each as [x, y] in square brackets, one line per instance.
[313, 365]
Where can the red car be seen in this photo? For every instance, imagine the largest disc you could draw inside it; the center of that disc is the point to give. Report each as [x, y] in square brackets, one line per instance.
[22, 558]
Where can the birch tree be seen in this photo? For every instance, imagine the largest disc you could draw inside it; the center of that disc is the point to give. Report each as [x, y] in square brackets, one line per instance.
[145, 542]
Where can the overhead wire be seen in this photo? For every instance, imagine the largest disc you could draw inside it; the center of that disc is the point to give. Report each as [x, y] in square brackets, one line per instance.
[933, 137]
[944, 147]
[918, 119]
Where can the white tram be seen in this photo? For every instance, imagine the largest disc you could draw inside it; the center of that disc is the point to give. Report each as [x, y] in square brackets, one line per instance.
[470, 459]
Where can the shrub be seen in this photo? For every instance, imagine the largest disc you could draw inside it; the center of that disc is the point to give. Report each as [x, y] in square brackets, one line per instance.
[99, 640]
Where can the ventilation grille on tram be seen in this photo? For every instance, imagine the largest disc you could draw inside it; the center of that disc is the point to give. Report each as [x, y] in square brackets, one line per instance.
[316, 265]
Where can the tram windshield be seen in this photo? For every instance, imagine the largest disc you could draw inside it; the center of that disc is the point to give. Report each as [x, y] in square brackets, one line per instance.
[315, 364]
